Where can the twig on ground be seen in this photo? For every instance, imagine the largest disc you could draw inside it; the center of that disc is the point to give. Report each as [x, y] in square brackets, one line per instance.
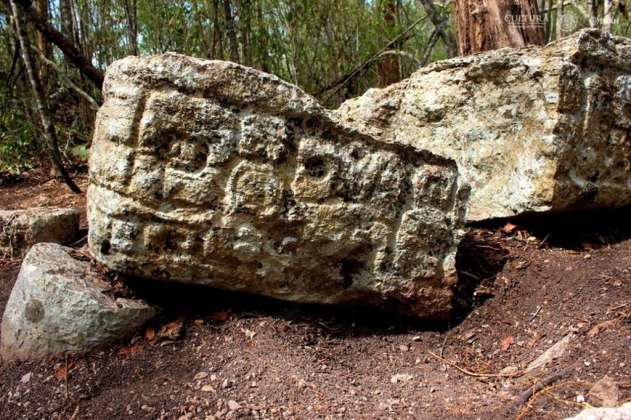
[470, 274]
[442, 348]
[521, 402]
[75, 414]
[534, 315]
[67, 374]
[79, 241]
[538, 386]
[476, 374]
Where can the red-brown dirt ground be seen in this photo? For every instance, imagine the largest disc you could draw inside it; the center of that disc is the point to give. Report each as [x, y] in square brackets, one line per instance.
[534, 282]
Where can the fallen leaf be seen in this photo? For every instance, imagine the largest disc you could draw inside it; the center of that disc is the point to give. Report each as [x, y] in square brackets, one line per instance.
[249, 334]
[602, 326]
[401, 377]
[200, 375]
[534, 340]
[150, 334]
[172, 330]
[508, 228]
[221, 316]
[61, 374]
[130, 350]
[506, 343]
[468, 335]
[509, 370]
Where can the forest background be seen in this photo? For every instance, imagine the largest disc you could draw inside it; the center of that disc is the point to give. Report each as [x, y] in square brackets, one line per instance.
[333, 49]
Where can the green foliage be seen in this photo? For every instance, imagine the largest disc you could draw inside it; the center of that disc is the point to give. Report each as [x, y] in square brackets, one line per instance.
[18, 148]
[311, 43]
[81, 152]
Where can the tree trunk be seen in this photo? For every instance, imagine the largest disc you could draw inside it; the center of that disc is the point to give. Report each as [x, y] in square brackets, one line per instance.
[592, 10]
[42, 107]
[67, 20]
[490, 24]
[131, 13]
[245, 26]
[388, 68]
[232, 33]
[42, 43]
[560, 14]
[608, 16]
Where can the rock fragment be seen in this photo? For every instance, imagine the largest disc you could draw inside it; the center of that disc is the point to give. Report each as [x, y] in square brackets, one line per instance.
[605, 393]
[19, 229]
[554, 352]
[58, 305]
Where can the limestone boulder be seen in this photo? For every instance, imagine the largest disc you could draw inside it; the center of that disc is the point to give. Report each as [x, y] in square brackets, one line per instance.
[608, 413]
[533, 130]
[212, 173]
[19, 229]
[61, 305]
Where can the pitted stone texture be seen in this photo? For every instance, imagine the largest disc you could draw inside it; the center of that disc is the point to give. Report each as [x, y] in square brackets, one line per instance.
[19, 229]
[58, 305]
[608, 413]
[209, 172]
[535, 129]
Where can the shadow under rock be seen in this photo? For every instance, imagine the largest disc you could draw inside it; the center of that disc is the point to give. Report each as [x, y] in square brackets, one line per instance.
[573, 230]
[479, 259]
[199, 302]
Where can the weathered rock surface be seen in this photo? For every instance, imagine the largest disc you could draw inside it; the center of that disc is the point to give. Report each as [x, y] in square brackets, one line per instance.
[209, 172]
[618, 413]
[59, 305]
[19, 229]
[535, 129]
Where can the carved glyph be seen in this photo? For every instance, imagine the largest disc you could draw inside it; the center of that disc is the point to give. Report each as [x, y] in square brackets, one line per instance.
[209, 172]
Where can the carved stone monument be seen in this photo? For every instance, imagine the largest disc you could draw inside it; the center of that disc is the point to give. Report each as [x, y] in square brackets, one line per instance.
[212, 173]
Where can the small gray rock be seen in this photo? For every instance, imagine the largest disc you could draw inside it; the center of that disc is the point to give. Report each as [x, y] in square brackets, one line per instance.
[58, 305]
[19, 229]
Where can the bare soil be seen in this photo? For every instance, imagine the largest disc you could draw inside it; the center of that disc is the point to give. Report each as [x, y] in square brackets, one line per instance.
[526, 285]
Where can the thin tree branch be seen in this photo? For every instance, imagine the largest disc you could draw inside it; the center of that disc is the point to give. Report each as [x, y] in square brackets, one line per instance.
[93, 104]
[433, 38]
[42, 107]
[440, 23]
[402, 54]
[341, 81]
